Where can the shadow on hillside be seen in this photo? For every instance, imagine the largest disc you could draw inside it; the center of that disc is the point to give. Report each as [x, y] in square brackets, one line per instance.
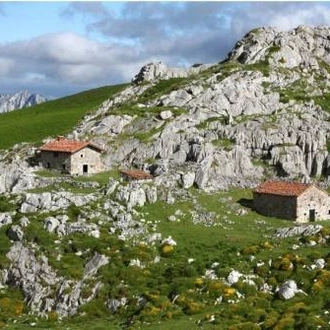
[246, 202]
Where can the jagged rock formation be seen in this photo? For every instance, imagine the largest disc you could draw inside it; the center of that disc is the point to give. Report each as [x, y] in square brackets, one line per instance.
[20, 100]
[38, 281]
[298, 47]
[52, 202]
[159, 70]
[259, 112]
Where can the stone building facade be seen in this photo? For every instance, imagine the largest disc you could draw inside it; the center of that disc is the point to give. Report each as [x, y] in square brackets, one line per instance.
[291, 200]
[73, 157]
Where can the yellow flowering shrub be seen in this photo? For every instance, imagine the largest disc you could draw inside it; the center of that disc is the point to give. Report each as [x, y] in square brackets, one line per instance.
[267, 245]
[199, 281]
[228, 292]
[167, 249]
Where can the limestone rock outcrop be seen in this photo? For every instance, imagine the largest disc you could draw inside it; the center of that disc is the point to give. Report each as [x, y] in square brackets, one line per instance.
[159, 70]
[284, 48]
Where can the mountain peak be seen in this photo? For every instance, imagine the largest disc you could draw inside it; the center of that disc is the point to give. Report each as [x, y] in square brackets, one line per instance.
[20, 100]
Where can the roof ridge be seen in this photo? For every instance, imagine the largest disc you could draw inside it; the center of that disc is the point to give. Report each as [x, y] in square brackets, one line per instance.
[282, 188]
[66, 145]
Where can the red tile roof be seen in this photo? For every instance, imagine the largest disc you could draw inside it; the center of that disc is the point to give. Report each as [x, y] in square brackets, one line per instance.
[282, 188]
[69, 146]
[136, 174]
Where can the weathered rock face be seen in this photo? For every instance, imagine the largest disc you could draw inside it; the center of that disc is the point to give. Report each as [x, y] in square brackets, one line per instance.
[307, 230]
[52, 202]
[16, 177]
[159, 70]
[29, 274]
[287, 49]
[39, 283]
[111, 125]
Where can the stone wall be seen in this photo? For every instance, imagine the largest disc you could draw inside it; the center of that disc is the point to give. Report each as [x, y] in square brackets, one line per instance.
[275, 206]
[56, 160]
[312, 205]
[314, 202]
[86, 161]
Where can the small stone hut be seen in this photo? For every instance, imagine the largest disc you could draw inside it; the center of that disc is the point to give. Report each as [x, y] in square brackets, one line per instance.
[70, 156]
[291, 200]
[134, 175]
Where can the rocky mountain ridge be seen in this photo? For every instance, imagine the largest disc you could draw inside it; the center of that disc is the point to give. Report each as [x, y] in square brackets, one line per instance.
[262, 113]
[20, 100]
[269, 108]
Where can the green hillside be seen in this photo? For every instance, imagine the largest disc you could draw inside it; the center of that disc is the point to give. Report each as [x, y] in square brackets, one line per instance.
[51, 118]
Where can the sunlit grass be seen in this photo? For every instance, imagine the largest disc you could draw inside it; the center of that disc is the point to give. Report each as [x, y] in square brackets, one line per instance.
[51, 118]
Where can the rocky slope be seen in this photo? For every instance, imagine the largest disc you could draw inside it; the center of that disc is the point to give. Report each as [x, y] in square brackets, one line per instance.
[20, 100]
[263, 112]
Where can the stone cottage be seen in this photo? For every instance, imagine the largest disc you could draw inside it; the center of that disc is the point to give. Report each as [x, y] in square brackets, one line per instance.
[291, 200]
[134, 175]
[73, 157]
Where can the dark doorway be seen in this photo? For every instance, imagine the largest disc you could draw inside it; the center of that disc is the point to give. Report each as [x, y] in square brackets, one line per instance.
[85, 168]
[311, 215]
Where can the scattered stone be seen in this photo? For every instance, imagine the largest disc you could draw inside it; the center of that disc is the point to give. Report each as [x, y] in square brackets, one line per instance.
[288, 290]
[50, 224]
[304, 230]
[15, 233]
[170, 199]
[95, 263]
[172, 218]
[115, 304]
[167, 114]
[168, 241]
[234, 277]
[188, 180]
[154, 237]
[135, 263]
[320, 263]
[24, 222]
[5, 219]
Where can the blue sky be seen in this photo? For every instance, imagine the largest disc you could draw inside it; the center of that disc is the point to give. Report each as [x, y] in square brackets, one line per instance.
[60, 48]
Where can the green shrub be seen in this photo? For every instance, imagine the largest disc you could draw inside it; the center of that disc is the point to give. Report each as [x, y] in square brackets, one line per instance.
[270, 320]
[274, 49]
[245, 326]
[161, 88]
[73, 211]
[286, 322]
[5, 205]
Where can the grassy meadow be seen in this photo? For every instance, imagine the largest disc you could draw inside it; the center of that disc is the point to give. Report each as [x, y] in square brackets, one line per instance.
[51, 118]
[236, 238]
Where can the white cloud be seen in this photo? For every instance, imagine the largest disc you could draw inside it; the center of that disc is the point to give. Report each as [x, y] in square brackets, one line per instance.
[139, 32]
[6, 65]
[65, 56]
[288, 20]
[86, 8]
[280, 15]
